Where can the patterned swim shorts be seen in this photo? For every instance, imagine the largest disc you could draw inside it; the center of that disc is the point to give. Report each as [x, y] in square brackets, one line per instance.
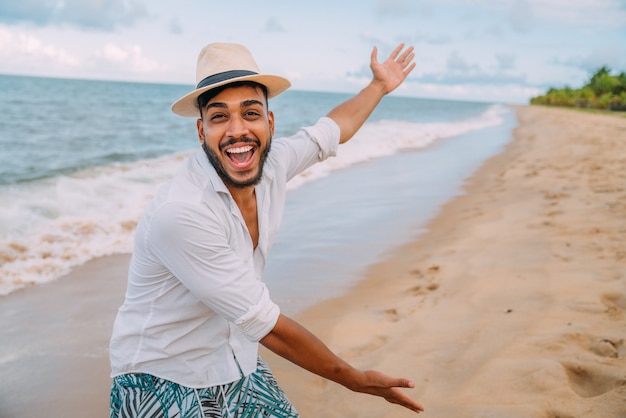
[143, 395]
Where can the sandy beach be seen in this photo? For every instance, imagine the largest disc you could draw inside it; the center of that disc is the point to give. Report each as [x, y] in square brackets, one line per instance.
[512, 304]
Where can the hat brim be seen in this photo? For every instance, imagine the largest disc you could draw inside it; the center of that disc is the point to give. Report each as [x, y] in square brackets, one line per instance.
[187, 105]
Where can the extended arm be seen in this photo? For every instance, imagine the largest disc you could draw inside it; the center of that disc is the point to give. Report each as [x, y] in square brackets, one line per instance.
[290, 340]
[388, 75]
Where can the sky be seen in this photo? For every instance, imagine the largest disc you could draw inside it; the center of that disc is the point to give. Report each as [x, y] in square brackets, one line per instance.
[478, 50]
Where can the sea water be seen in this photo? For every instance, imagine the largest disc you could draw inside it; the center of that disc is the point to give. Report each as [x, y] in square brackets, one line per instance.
[79, 160]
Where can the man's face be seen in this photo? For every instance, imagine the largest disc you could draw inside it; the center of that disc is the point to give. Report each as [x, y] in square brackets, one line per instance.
[236, 132]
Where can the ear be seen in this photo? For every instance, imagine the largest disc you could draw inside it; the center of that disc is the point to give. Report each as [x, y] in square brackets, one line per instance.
[270, 120]
[200, 129]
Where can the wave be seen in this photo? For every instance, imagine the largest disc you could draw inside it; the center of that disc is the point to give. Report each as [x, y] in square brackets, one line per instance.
[49, 226]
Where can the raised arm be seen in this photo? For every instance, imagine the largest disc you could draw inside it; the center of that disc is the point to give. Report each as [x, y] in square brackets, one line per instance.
[290, 340]
[351, 114]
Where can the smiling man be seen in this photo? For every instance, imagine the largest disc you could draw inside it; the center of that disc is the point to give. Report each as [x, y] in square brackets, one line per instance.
[185, 341]
[236, 141]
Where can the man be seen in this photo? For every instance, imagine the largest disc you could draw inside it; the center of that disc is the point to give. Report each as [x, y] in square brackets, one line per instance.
[185, 341]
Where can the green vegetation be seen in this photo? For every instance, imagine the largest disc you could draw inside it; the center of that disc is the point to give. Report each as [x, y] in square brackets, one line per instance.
[603, 91]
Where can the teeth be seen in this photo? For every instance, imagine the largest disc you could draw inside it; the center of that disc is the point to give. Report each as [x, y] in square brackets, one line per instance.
[240, 150]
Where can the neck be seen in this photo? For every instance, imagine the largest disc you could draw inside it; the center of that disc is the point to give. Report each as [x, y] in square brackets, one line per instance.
[241, 195]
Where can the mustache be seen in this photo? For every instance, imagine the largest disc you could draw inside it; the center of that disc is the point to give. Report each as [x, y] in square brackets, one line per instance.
[242, 140]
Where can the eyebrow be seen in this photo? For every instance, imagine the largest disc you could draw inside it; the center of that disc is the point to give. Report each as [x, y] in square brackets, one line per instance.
[245, 103]
[251, 102]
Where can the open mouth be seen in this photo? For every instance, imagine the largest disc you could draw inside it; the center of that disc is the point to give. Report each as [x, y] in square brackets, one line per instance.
[240, 156]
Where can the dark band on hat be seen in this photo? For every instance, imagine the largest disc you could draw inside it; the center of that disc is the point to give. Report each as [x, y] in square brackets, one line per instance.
[226, 75]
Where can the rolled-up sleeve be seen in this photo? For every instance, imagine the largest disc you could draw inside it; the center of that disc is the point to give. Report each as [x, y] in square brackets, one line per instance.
[260, 318]
[325, 133]
[308, 146]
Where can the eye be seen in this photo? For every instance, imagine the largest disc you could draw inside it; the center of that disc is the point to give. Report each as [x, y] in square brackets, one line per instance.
[217, 116]
[251, 114]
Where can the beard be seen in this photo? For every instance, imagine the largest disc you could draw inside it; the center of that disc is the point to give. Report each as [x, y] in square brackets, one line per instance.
[227, 178]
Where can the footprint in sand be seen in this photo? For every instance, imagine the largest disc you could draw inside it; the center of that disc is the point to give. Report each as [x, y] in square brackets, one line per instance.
[615, 304]
[592, 379]
[607, 348]
[417, 273]
[420, 290]
[610, 347]
[612, 304]
[391, 315]
[430, 271]
[430, 275]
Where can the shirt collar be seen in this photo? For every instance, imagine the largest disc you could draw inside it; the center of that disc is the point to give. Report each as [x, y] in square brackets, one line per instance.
[214, 179]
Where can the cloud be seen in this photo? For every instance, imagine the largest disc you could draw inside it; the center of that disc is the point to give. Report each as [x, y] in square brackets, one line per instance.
[24, 51]
[612, 55]
[384, 47]
[126, 57]
[33, 11]
[490, 93]
[274, 25]
[421, 37]
[524, 13]
[521, 16]
[175, 26]
[457, 63]
[505, 61]
[396, 8]
[603, 13]
[85, 14]
[472, 78]
[461, 72]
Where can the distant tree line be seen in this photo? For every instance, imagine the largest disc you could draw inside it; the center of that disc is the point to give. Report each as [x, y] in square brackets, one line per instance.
[603, 91]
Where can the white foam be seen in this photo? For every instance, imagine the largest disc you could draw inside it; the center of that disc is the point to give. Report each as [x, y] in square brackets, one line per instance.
[50, 226]
[387, 137]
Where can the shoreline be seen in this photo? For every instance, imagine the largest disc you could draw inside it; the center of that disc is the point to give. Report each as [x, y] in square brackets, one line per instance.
[512, 303]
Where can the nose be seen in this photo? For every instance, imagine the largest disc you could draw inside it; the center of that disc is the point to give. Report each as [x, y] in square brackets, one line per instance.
[237, 127]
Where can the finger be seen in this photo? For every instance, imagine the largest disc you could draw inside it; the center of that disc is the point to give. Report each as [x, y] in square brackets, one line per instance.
[396, 52]
[406, 383]
[407, 56]
[407, 60]
[374, 57]
[380, 380]
[405, 401]
[402, 382]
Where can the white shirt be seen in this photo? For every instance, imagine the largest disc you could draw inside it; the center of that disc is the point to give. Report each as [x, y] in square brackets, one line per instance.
[195, 305]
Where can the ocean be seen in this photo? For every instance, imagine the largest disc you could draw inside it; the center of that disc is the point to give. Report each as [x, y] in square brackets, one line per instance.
[80, 159]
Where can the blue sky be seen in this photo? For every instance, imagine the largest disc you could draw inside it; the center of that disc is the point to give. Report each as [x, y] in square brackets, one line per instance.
[498, 50]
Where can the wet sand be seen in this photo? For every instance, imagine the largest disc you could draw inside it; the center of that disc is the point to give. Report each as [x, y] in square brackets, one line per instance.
[512, 304]
[54, 358]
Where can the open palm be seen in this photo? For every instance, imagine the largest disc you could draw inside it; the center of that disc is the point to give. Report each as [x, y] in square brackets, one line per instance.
[392, 72]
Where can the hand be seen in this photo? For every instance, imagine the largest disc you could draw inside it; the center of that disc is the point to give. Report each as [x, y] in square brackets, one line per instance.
[379, 384]
[391, 73]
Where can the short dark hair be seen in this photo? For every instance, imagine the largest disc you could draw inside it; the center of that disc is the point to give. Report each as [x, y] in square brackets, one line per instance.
[205, 97]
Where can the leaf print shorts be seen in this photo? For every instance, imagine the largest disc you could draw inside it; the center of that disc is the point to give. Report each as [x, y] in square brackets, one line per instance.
[143, 395]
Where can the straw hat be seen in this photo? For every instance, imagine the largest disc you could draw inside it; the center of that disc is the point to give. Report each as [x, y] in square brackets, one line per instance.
[224, 63]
